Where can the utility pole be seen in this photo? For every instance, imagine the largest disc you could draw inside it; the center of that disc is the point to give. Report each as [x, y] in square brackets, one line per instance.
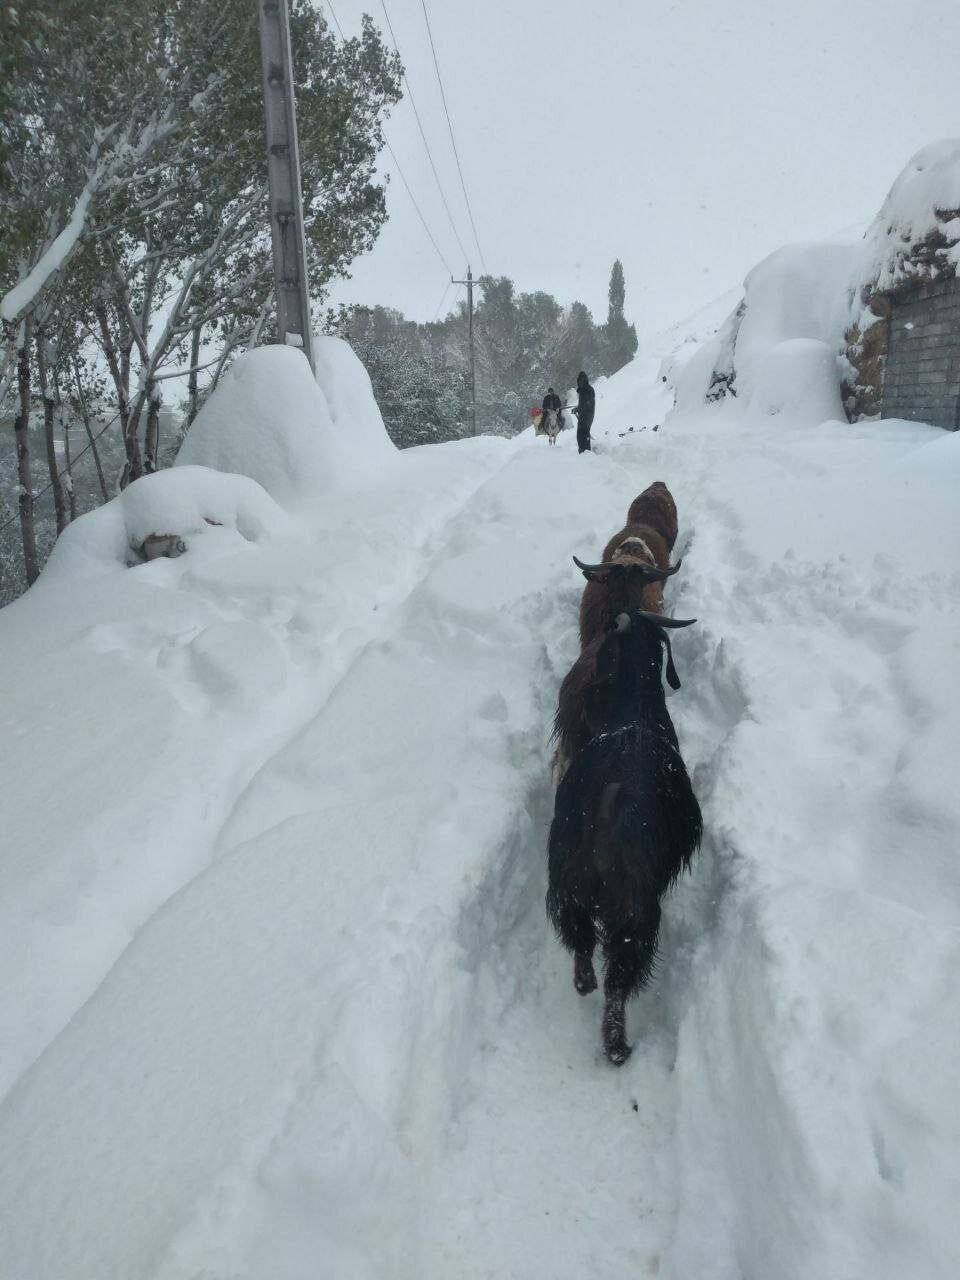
[473, 377]
[283, 169]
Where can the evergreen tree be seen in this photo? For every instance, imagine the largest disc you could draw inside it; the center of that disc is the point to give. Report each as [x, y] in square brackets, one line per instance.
[617, 293]
[619, 339]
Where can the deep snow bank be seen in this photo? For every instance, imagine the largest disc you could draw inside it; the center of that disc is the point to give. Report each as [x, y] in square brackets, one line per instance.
[298, 436]
[831, 301]
[170, 679]
[778, 351]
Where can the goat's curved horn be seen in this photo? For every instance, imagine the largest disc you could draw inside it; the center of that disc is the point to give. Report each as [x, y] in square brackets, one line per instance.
[660, 620]
[597, 572]
[652, 572]
[594, 568]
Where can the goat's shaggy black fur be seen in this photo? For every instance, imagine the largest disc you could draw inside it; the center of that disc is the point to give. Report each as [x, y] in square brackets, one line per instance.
[625, 825]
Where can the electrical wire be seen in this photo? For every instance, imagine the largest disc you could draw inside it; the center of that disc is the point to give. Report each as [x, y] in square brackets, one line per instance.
[396, 162]
[333, 14]
[453, 142]
[413, 201]
[413, 104]
[446, 289]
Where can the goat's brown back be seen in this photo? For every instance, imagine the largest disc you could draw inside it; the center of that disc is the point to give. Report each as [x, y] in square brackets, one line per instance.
[655, 507]
[574, 723]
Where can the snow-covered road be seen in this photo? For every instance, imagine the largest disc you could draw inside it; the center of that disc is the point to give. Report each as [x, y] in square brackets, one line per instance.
[284, 1000]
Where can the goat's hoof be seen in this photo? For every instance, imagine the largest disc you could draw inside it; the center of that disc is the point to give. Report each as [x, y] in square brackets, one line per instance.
[618, 1052]
[615, 1033]
[584, 976]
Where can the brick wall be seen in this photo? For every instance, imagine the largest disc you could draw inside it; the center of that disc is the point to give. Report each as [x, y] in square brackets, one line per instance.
[921, 378]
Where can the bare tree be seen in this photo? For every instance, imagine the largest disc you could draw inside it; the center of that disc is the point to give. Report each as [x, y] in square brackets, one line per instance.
[84, 412]
[21, 426]
[46, 396]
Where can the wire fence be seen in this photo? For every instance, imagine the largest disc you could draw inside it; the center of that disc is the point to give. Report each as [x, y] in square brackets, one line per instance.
[84, 493]
[74, 459]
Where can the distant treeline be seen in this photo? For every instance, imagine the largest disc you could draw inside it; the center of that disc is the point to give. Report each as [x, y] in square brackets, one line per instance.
[524, 342]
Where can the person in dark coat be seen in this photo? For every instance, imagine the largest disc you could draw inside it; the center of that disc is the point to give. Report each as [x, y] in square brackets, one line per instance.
[586, 403]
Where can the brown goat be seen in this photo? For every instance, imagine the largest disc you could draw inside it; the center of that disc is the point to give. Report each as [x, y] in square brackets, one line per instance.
[632, 578]
[633, 555]
[655, 507]
[646, 539]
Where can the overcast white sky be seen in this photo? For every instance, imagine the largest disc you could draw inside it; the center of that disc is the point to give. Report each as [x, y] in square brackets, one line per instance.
[688, 139]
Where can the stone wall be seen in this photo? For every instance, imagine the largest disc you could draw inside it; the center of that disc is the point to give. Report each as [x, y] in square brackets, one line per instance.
[921, 378]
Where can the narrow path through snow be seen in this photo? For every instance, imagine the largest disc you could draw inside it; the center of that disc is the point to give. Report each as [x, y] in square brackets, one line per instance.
[337, 1035]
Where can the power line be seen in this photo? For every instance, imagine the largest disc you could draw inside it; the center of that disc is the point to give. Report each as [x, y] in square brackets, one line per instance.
[393, 154]
[453, 143]
[443, 296]
[333, 14]
[423, 135]
[396, 162]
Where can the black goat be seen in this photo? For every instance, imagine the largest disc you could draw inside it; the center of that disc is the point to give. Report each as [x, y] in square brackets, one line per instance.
[626, 821]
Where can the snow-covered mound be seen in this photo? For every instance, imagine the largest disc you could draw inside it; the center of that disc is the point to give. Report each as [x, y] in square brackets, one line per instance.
[297, 436]
[348, 392]
[189, 502]
[280, 998]
[778, 350]
[808, 336]
[689, 351]
[796, 296]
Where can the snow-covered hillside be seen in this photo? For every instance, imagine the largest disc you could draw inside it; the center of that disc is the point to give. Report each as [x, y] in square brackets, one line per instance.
[281, 1001]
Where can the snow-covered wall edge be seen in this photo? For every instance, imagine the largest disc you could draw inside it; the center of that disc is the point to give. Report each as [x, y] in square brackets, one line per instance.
[838, 293]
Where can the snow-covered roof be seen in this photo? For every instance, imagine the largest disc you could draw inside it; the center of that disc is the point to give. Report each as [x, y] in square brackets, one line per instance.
[916, 233]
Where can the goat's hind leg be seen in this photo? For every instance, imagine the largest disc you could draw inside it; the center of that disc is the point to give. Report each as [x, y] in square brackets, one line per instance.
[630, 951]
[577, 932]
[584, 974]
